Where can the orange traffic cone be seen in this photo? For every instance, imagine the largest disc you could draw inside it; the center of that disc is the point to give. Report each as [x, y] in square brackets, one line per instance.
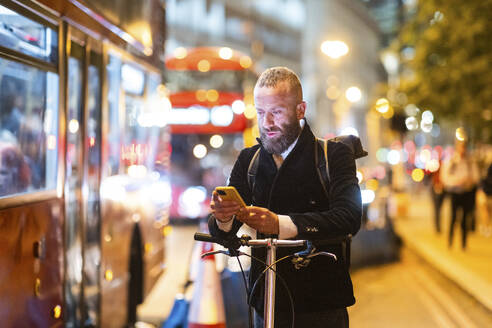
[207, 304]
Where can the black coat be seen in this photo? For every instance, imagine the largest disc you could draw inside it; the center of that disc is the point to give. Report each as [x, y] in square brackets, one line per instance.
[295, 190]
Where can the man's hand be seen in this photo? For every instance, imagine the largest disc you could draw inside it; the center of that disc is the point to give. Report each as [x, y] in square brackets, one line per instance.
[223, 210]
[260, 219]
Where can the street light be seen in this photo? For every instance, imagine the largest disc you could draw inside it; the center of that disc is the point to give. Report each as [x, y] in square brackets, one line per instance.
[353, 94]
[334, 49]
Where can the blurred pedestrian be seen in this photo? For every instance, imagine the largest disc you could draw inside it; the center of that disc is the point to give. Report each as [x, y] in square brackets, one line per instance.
[438, 195]
[460, 178]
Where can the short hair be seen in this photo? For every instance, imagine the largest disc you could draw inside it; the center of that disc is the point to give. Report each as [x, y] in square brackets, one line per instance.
[271, 77]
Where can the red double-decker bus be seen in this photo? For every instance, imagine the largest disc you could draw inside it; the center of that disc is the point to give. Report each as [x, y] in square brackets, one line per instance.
[212, 118]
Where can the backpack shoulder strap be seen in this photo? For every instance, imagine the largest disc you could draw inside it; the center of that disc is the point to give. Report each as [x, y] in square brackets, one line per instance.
[321, 163]
[253, 169]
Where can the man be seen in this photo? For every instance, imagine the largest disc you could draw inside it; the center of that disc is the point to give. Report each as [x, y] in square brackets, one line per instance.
[288, 201]
[460, 176]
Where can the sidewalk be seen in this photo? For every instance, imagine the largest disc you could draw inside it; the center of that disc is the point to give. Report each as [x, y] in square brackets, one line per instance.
[470, 269]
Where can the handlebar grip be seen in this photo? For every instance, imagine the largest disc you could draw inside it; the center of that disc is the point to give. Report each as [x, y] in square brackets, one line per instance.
[208, 238]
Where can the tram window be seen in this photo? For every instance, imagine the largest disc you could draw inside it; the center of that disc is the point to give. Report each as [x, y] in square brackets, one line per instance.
[114, 129]
[27, 36]
[28, 128]
[133, 79]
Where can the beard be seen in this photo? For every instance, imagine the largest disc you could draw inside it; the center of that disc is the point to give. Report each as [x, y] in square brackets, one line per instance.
[278, 144]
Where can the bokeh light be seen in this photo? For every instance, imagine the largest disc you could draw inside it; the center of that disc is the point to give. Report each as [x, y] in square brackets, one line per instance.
[353, 94]
[367, 196]
[216, 141]
[382, 154]
[250, 112]
[245, 62]
[460, 134]
[225, 53]
[426, 126]
[411, 110]
[73, 126]
[360, 176]
[238, 107]
[212, 95]
[393, 157]
[411, 123]
[180, 52]
[427, 116]
[200, 151]
[417, 175]
[332, 92]
[221, 115]
[349, 131]
[382, 105]
[372, 184]
[203, 65]
[334, 49]
[432, 165]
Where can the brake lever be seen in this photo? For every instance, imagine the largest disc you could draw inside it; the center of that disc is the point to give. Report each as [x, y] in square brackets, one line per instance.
[333, 256]
[303, 258]
[225, 252]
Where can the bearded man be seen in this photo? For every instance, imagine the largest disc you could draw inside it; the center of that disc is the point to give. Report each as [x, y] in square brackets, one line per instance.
[288, 201]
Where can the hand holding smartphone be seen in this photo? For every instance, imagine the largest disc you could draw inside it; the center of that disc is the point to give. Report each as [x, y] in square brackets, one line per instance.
[230, 193]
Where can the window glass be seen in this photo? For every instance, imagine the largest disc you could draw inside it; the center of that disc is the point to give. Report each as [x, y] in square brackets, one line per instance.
[22, 34]
[231, 81]
[28, 128]
[114, 117]
[143, 124]
[133, 79]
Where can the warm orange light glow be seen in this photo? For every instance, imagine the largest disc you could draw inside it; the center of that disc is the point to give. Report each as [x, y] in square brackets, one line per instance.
[108, 275]
[245, 62]
[460, 134]
[389, 114]
[57, 310]
[382, 105]
[372, 184]
[203, 65]
[201, 95]
[166, 230]
[417, 175]
[332, 92]
[250, 112]
[148, 247]
[212, 95]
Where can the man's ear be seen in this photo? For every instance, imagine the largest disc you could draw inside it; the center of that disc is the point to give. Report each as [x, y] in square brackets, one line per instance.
[300, 110]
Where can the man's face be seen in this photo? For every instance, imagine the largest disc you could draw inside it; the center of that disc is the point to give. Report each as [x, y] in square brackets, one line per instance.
[279, 112]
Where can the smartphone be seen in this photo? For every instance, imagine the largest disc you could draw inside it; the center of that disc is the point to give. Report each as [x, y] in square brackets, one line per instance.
[230, 193]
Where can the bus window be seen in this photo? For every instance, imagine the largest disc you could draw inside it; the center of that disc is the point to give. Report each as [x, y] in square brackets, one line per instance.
[22, 34]
[28, 128]
[114, 118]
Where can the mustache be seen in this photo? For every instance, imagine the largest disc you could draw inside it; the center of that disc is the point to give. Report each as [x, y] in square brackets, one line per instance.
[272, 129]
